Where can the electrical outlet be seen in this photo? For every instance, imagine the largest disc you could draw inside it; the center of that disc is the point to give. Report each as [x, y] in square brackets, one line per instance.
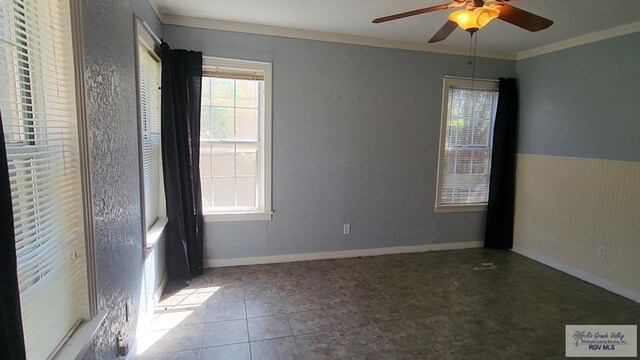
[122, 348]
[346, 229]
[602, 252]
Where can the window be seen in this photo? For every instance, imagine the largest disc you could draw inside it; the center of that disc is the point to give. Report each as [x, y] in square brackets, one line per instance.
[466, 134]
[38, 107]
[235, 140]
[149, 73]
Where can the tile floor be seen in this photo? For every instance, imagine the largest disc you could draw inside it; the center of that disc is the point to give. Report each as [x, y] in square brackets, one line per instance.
[465, 304]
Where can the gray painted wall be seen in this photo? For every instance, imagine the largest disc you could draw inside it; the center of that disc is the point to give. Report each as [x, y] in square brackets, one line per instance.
[583, 101]
[355, 140]
[112, 122]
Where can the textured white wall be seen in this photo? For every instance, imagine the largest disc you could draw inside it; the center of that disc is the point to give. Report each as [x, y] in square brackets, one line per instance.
[567, 207]
[125, 278]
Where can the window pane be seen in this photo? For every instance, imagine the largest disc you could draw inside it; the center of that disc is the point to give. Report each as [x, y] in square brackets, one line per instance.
[247, 192]
[246, 124]
[222, 92]
[205, 123]
[206, 91]
[480, 130]
[224, 192]
[467, 155]
[207, 192]
[480, 162]
[246, 160]
[483, 104]
[222, 123]
[247, 93]
[223, 160]
[149, 101]
[462, 160]
[205, 160]
[236, 113]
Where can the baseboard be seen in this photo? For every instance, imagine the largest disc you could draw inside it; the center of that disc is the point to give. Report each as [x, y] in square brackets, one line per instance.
[340, 254]
[158, 293]
[580, 274]
[133, 349]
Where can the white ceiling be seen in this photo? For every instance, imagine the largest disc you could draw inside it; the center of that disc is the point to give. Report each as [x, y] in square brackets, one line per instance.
[353, 17]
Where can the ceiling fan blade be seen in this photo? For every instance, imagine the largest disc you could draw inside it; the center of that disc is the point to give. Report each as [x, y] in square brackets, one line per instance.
[521, 18]
[412, 13]
[444, 31]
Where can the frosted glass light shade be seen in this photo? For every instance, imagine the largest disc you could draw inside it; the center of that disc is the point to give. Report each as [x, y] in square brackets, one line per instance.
[474, 19]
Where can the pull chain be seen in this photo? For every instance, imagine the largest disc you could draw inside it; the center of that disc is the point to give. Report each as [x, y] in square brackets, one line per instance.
[473, 44]
[469, 58]
[472, 62]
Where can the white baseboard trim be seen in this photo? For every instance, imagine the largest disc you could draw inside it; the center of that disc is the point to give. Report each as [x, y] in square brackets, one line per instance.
[158, 293]
[340, 254]
[580, 274]
[133, 349]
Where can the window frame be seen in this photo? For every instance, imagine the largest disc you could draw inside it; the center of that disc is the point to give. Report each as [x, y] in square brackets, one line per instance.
[77, 341]
[475, 84]
[209, 64]
[151, 233]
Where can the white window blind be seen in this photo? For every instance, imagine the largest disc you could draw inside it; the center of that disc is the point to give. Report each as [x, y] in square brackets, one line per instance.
[39, 119]
[466, 138]
[235, 137]
[149, 83]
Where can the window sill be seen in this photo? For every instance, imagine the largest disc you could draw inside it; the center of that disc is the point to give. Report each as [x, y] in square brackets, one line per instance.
[154, 234]
[78, 343]
[460, 208]
[238, 216]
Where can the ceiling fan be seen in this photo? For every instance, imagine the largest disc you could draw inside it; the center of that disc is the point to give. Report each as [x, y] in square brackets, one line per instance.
[475, 15]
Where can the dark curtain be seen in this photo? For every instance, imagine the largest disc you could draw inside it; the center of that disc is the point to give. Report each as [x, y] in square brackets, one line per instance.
[11, 335]
[181, 86]
[500, 210]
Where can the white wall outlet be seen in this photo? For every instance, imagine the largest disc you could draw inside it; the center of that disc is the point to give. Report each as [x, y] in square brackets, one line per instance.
[346, 229]
[602, 252]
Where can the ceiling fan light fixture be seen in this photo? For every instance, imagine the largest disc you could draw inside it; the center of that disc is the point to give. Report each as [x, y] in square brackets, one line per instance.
[473, 19]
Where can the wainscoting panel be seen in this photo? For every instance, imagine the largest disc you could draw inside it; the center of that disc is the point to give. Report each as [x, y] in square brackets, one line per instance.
[567, 208]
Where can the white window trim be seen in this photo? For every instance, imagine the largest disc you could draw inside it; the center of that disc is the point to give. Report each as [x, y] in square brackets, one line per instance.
[461, 208]
[145, 36]
[78, 343]
[238, 216]
[266, 134]
[154, 234]
[79, 339]
[449, 81]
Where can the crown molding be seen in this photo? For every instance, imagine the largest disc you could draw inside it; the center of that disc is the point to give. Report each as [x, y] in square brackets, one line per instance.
[581, 40]
[197, 22]
[156, 9]
[214, 24]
